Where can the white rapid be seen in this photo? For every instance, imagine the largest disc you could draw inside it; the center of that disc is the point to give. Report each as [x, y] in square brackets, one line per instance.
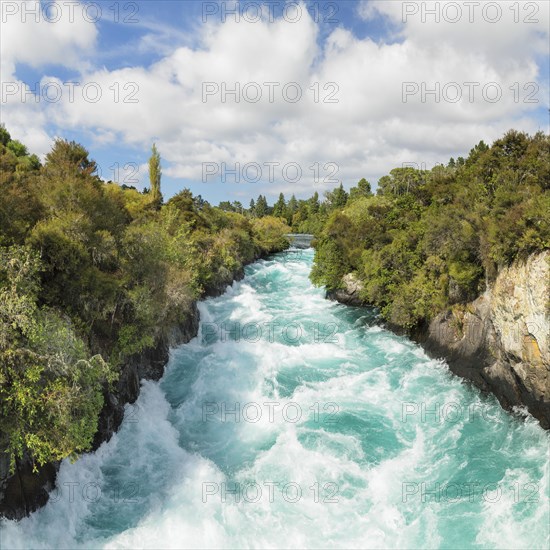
[295, 422]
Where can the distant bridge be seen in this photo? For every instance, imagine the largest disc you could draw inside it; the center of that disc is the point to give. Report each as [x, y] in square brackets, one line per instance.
[300, 240]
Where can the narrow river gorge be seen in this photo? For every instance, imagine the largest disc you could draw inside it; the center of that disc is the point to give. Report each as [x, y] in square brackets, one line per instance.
[293, 421]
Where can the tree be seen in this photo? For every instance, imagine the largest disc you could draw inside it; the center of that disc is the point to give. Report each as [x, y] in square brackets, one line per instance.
[476, 152]
[199, 202]
[90, 275]
[269, 234]
[401, 181]
[5, 137]
[433, 239]
[314, 203]
[279, 207]
[337, 198]
[252, 208]
[31, 162]
[68, 158]
[17, 148]
[50, 387]
[301, 215]
[155, 173]
[362, 189]
[262, 209]
[184, 201]
[291, 209]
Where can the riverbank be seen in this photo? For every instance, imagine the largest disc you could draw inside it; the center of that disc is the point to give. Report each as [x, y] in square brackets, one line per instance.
[499, 341]
[28, 489]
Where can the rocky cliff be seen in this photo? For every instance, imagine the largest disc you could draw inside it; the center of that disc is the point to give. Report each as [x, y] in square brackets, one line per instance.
[350, 293]
[501, 340]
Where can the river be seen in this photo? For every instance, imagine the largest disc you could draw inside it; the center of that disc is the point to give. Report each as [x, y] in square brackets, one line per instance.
[292, 421]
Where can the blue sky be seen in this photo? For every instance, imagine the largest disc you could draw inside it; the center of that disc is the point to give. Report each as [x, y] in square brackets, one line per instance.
[356, 55]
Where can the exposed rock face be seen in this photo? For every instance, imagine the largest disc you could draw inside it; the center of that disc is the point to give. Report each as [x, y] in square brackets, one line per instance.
[501, 340]
[521, 317]
[149, 365]
[350, 292]
[224, 280]
[25, 491]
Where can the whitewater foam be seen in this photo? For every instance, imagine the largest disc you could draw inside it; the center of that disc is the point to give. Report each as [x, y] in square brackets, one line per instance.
[390, 450]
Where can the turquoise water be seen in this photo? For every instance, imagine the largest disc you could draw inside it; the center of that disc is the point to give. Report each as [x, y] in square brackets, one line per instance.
[294, 422]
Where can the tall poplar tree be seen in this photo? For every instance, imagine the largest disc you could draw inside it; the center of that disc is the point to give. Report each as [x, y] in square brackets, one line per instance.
[155, 173]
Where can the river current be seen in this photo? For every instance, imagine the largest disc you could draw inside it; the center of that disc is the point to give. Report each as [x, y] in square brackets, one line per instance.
[295, 422]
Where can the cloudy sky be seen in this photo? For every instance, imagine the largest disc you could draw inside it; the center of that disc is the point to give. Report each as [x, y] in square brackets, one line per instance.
[263, 97]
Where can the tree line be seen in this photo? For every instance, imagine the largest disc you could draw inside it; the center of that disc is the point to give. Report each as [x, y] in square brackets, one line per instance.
[302, 215]
[431, 239]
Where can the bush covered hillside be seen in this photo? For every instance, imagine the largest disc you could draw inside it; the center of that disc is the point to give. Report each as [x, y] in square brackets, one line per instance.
[90, 274]
[433, 238]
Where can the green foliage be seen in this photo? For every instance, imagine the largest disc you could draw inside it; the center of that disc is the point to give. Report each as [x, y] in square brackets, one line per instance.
[19, 268]
[337, 198]
[401, 181]
[5, 137]
[68, 158]
[155, 173]
[269, 234]
[19, 207]
[313, 204]
[329, 266]
[261, 209]
[91, 274]
[430, 239]
[363, 189]
[279, 208]
[18, 149]
[50, 386]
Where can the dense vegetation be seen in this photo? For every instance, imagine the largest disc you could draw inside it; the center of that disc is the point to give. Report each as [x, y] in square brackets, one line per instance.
[90, 274]
[303, 216]
[433, 238]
